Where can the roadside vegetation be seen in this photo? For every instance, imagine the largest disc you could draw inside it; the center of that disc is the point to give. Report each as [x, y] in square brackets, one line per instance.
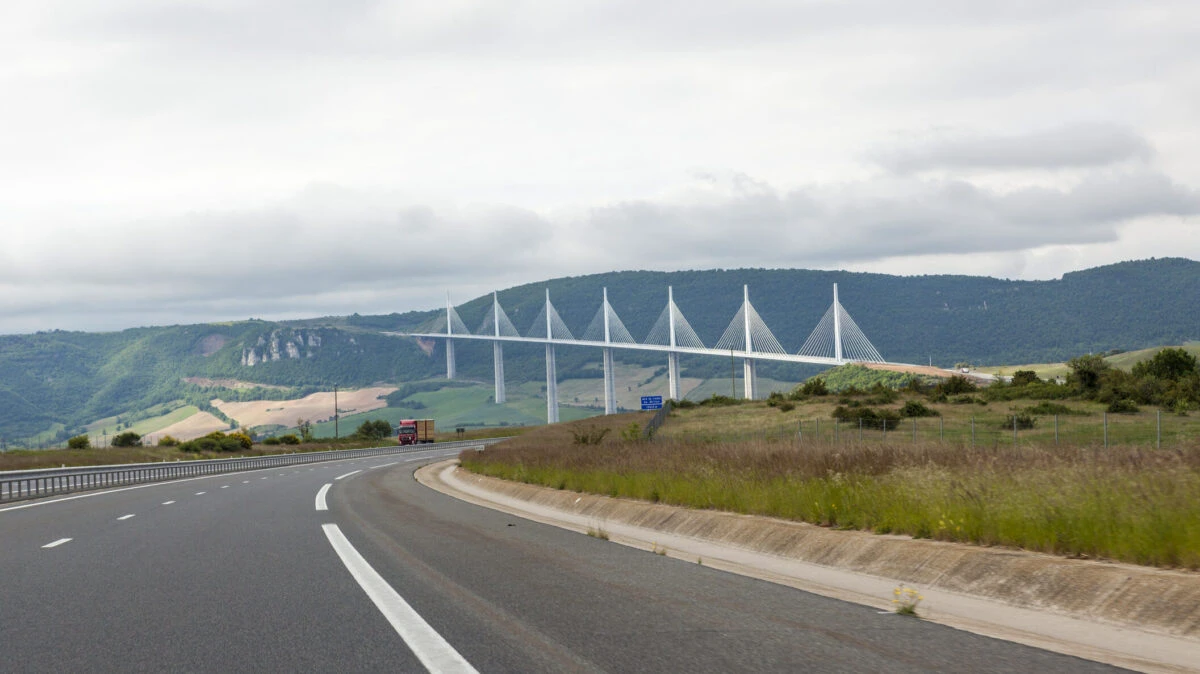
[1129, 501]
[217, 445]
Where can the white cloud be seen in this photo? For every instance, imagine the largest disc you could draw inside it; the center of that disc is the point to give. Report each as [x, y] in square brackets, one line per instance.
[213, 159]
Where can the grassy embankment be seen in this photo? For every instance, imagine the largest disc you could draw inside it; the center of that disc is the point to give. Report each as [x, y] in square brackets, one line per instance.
[55, 458]
[1127, 503]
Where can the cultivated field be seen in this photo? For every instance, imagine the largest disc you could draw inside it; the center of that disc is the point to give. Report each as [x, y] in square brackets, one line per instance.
[314, 407]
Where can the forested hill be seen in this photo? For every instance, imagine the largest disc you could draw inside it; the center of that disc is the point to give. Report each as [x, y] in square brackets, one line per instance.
[66, 379]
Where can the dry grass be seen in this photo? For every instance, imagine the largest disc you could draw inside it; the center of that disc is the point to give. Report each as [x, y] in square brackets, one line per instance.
[1129, 504]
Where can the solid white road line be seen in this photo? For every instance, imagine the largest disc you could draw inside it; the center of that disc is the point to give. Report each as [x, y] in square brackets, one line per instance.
[430, 648]
[347, 474]
[125, 517]
[321, 505]
[57, 543]
[201, 493]
[383, 465]
[167, 502]
[224, 486]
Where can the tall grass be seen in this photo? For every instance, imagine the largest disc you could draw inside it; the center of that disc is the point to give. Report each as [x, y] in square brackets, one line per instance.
[1129, 504]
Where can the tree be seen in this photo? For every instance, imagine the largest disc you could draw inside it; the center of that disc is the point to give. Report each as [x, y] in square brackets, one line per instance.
[1024, 377]
[1087, 372]
[305, 428]
[373, 430]
[127, 439]
[79, 442]
[1170, 364]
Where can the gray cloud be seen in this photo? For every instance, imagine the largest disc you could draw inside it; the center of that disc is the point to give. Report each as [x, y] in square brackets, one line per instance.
[820, 226]
[1074, 146]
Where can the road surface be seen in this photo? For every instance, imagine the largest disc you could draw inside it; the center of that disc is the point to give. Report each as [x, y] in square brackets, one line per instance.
[245, 572]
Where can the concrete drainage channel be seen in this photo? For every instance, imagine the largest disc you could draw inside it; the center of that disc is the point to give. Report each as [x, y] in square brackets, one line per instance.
[1136, 617]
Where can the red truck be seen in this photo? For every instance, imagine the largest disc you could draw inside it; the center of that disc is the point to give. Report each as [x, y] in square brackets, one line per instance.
[412, 431]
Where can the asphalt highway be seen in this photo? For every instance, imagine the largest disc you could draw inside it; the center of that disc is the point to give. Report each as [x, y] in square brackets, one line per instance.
[354, 566]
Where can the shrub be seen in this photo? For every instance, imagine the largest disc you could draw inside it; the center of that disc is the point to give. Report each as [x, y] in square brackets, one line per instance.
[1022, 420]
[1122, 406]
[956, 385]
[271, 441]
[1048, 408]
[870, 417]
[589, 435]
[127, 439]
[814, 387]
[79, 442]
[913, 408]
[631, 433]
[168, 441]
[244, 441]
[787, 406]
[289, 439]
[1024, 377]
[720, 401]
[685, 404]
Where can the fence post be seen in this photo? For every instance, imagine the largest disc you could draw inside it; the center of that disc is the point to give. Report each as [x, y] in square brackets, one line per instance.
[860, 429]
[817, 432]
[941, 429]
[1055, 430]
[1106, 430]
[914, 430]
[800, 430]
[972, 432]
[1158, 429]
[835, 430]
[1014, 429]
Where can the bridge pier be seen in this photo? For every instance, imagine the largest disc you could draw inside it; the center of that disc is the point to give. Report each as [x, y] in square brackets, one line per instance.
[610, 383]
[498, 368]
[451, 369]
[749, 379]
[673, 376]
[551, 387]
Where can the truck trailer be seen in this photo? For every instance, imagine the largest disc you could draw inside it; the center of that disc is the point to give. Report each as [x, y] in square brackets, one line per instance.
[412, 431]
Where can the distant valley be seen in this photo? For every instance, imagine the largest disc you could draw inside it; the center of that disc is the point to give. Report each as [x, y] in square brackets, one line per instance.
[57, 384]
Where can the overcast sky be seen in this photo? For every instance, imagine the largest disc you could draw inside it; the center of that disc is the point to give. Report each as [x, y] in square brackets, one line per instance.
[177, 162]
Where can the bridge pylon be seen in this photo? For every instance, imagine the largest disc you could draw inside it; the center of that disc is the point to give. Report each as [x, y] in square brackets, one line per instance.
[497, 351]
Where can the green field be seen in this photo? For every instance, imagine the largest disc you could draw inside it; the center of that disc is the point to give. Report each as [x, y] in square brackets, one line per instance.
[163, 416]
[469, 407]
[1123, 361]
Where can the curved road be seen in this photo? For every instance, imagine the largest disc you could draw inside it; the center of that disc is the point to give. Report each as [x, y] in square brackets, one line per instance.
[244, 572]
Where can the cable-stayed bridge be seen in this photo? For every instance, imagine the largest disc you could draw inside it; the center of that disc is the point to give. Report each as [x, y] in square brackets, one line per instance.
[836, 340]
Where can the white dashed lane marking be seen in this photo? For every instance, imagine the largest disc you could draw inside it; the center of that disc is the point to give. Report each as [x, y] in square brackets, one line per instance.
[347, 474]
[201, 493]
[125, 517]
[57, 543]
[167, 502]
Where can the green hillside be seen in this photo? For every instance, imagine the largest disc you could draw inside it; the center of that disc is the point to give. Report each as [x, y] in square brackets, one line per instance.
[54, 383]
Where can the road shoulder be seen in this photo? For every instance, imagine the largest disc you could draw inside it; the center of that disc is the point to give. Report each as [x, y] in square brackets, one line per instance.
[1136, 617]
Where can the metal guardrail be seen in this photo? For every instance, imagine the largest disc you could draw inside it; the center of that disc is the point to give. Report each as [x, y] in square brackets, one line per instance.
[27, 484]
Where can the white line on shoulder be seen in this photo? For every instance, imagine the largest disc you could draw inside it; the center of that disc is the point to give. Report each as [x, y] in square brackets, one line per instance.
[430, 647]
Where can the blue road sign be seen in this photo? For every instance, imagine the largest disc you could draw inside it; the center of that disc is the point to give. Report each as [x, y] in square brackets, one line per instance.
[652, 402]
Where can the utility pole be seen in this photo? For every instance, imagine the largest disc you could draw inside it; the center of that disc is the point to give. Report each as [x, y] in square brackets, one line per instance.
[335, 413]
